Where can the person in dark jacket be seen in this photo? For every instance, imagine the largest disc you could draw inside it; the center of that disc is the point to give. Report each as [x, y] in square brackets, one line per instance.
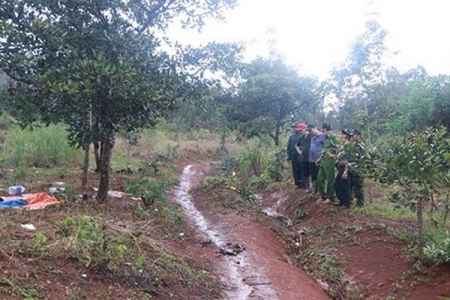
[356, 178]
[302, 147]
[342, 185]
[292, 154]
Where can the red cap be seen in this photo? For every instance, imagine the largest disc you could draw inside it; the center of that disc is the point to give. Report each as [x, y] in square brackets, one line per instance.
[301, 126]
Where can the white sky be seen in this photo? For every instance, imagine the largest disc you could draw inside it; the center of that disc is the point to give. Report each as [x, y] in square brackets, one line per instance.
[317, 34]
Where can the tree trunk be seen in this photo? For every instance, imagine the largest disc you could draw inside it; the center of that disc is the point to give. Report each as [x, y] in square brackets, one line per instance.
[105, 163]
[366, 109]
[98, 168]
[276, 138]
[84, 175]
[106, 145]
[420, 221]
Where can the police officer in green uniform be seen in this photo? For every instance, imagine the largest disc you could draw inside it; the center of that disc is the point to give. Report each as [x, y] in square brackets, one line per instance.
[325, 178]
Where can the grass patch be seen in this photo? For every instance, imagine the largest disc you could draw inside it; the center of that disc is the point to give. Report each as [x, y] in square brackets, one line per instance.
[388, 212]
[44, 146]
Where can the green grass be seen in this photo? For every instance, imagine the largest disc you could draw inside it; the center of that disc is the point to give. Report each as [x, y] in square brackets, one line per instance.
[40, 147]
[389, 212]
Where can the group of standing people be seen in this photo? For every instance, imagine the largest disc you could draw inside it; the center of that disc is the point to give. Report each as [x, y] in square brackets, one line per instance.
[322, 163]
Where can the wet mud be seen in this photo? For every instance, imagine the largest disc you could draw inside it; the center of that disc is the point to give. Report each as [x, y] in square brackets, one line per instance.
[250, 259]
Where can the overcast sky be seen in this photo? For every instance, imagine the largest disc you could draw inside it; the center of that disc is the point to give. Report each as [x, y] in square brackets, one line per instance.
[317, 34]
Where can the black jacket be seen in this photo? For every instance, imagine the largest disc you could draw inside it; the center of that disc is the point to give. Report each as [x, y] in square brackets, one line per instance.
[291, 153]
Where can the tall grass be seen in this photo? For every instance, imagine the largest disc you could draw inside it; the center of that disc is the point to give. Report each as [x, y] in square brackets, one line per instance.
[41, 147]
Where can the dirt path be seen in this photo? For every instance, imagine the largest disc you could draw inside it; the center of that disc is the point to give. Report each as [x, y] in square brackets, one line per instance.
[261, 270]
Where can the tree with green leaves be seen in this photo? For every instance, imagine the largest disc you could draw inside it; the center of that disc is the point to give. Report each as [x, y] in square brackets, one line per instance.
[98, 67]
[269, 94]
[420, 102]
[419, 163]
[360, 82]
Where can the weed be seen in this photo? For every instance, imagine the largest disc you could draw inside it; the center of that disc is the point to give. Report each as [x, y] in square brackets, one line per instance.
[91, 243]
[192, 274]
[260, 181]
[389, 212]
[149, 190]
[438, 252]
[140, 212]
[16, 289]
[276, 166]
[318, 231]
[39, 240]
[300, 213]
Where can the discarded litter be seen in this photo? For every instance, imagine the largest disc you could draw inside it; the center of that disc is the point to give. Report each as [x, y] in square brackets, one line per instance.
[57, 189]
[116, 194]
[16, 190]
[82, 198]
[28, 226]
[230, 249]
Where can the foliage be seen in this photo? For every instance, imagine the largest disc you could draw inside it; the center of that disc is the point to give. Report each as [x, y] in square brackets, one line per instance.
[266, 98]
[6, 121]
[395, 212]
[39, 240]
[194, 275]
[359, 83]
[277, 165]
[421, 102]
[438, 252]
[98, 66]
[91, 243]
[16, 289]
[42, 147]
[149, 190]
[419, 163]
[260, 181]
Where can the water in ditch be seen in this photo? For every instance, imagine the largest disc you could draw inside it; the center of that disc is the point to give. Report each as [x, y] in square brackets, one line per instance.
[234, 267]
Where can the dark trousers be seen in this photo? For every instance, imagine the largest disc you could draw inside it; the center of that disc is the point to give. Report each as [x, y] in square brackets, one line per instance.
[342, 188]
[297, 172]
[314, 171]
[305, 174]
[357, 188]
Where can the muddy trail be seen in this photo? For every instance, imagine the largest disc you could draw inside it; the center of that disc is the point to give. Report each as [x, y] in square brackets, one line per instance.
[359, 253]
[249, 258]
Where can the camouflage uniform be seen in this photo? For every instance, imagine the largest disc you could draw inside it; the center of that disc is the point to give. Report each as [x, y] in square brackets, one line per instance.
[357, 179]
[325, 178]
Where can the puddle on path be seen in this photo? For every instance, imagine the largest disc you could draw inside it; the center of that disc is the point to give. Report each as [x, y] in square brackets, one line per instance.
[272, 211]
[235, 267]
